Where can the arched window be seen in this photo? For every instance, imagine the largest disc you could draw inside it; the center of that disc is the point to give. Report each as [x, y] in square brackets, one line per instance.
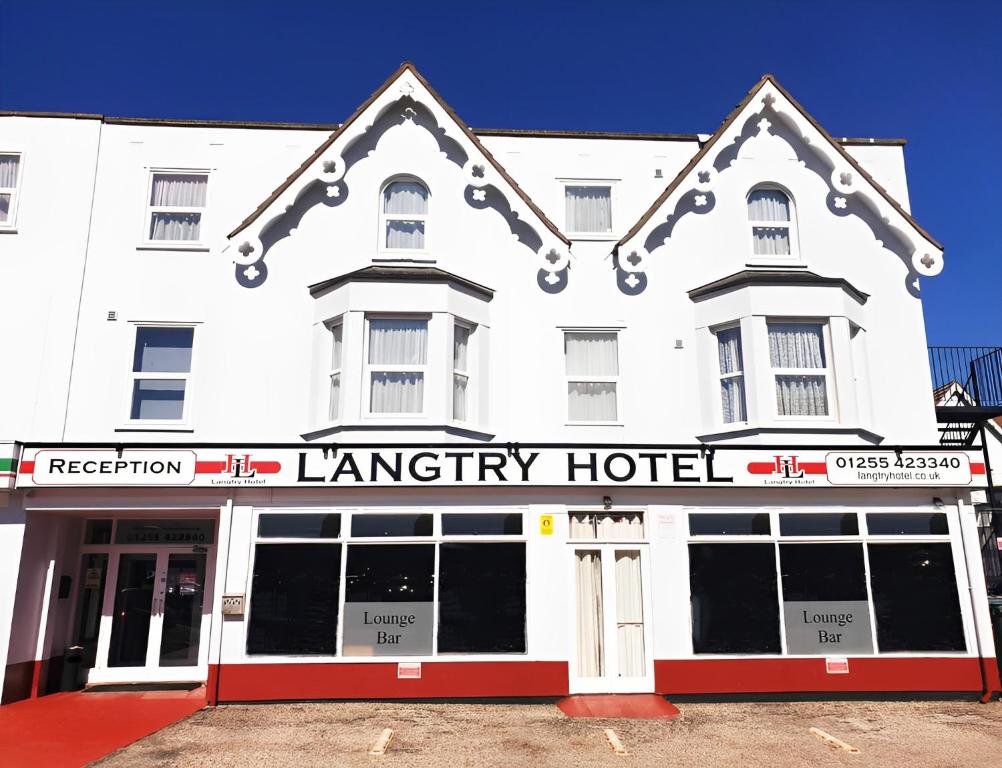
[404, 215]
[771, 215]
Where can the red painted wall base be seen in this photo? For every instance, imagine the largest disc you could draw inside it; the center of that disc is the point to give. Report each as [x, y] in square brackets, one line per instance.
[794, 675]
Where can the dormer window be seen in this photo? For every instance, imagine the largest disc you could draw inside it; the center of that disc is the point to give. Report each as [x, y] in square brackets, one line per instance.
[405, 216]
[771, 216]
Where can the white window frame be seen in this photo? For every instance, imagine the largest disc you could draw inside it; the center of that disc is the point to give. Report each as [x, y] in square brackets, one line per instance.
[828, 371]
[150, 209]
[740, 374]
[793, 257]
[369, 368]
[574, 379]
[467, 373]
[385, 218]
[577, 235]
[186, 409]
[11, 224]
[336, 368]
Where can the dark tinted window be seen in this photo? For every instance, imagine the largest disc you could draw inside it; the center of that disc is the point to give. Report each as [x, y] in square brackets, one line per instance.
[299, 526]
[294, 599]
[734, 603]
[391, 525]
[390, 573]
[97, 532]
[915, 598]
[894, 524]
[465, 524]
[822, 572]
[729, 524]
[481, 595]
[822, 524]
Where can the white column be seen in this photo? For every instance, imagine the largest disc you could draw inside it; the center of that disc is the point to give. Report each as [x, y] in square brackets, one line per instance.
[12, 521]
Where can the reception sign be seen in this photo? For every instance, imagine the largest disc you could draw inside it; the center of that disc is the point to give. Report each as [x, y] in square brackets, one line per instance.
[507, 464]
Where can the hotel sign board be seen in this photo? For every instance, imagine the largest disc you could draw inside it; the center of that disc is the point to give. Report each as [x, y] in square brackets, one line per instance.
[495, 465]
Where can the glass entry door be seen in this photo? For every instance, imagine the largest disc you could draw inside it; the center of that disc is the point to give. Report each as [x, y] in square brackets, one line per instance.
[612, 610]
[152, 626]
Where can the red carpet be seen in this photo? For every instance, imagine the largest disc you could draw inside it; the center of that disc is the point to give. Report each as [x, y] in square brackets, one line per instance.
[637, 706]
[68, 730]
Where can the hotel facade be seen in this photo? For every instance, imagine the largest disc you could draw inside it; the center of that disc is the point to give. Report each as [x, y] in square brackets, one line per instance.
[397, 408]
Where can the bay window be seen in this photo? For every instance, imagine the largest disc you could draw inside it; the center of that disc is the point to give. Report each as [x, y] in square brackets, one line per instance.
[461, 371]
[176, 205]
[800, 368]
[732, 379]
[591, 361]
[396, 364]
[337, 341]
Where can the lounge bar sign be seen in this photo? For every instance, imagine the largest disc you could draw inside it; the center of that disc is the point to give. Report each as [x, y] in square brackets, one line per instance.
[496, 465]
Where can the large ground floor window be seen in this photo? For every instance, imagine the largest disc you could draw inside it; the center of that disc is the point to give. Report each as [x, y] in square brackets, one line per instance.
[397, 585]
[822, 583]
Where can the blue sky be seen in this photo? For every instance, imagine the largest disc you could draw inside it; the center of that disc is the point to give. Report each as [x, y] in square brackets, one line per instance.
[928, 71]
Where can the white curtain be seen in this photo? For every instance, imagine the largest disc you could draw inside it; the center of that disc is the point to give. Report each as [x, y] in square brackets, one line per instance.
[459, 387]
[588, 209]
[337, 334]
[798, 345]
[590, 617]
[176, 226]
[619, 526]
[4, 207]
[591, 354]
[405, 197]
[460, 381]
[178, 190]
[405, 234]
[768, 205]
[396, 392]
[582, 527]
[398, 342]
[630, 615]
[732, 389]
[460, 343]
[8, 170]
[591, 401]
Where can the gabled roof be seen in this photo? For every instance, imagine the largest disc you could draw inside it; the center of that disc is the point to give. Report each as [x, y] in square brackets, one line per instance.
[735, 113]
[405, 67]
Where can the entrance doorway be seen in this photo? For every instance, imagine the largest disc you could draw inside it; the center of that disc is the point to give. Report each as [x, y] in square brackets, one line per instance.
[613, 650]
[142, 613]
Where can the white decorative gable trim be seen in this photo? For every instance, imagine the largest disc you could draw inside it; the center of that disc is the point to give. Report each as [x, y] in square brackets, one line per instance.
[249, 243]
[691, 191]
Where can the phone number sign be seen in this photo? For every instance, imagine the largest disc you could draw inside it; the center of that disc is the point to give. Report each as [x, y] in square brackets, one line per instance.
[898, 469]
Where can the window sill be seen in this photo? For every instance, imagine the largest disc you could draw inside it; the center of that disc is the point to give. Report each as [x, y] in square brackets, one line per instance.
[747, 429]
[155, 427]
[776, 264]
[197, 248]
[594, 424]
[8, 230]
[320, 432]
[596, 236]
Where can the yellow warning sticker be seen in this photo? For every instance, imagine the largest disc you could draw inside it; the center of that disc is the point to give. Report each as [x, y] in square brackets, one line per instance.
[546, 525]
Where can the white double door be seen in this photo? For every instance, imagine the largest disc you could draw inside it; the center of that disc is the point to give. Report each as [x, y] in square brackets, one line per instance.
[613, 649]
[154, 624]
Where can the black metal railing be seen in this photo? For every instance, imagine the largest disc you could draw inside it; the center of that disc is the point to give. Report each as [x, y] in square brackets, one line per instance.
[967, 376]
[989, 531]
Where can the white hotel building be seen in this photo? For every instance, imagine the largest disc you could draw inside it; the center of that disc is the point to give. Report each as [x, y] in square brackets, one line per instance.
[399, 408]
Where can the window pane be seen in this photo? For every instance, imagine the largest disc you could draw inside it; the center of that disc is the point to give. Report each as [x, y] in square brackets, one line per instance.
[97, 532]
[9, 166]
[294, 599]
[591, 354]
[588, 209]
[394, 573]
[729, 524]
[821, 524]
[163, 350]
[178, 190]
[616, 525]
[917, 524]
[4, 208]
[796, 345]
[768, 205]
[915, 598]
[825, 605]
[478, 524]
[396, 393]
[771, 241]
[159, 399]
[299, 526]
[460, 384]
[398, 341]
[732, 399]
[335, 403]
[735, 606]
[591, 401]
[481, 597]
[405, 234]
[337, 333]
[405, 197]
[391, 525]
[460, 342]
[176, 226]
[729, 350]
[801, 396]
